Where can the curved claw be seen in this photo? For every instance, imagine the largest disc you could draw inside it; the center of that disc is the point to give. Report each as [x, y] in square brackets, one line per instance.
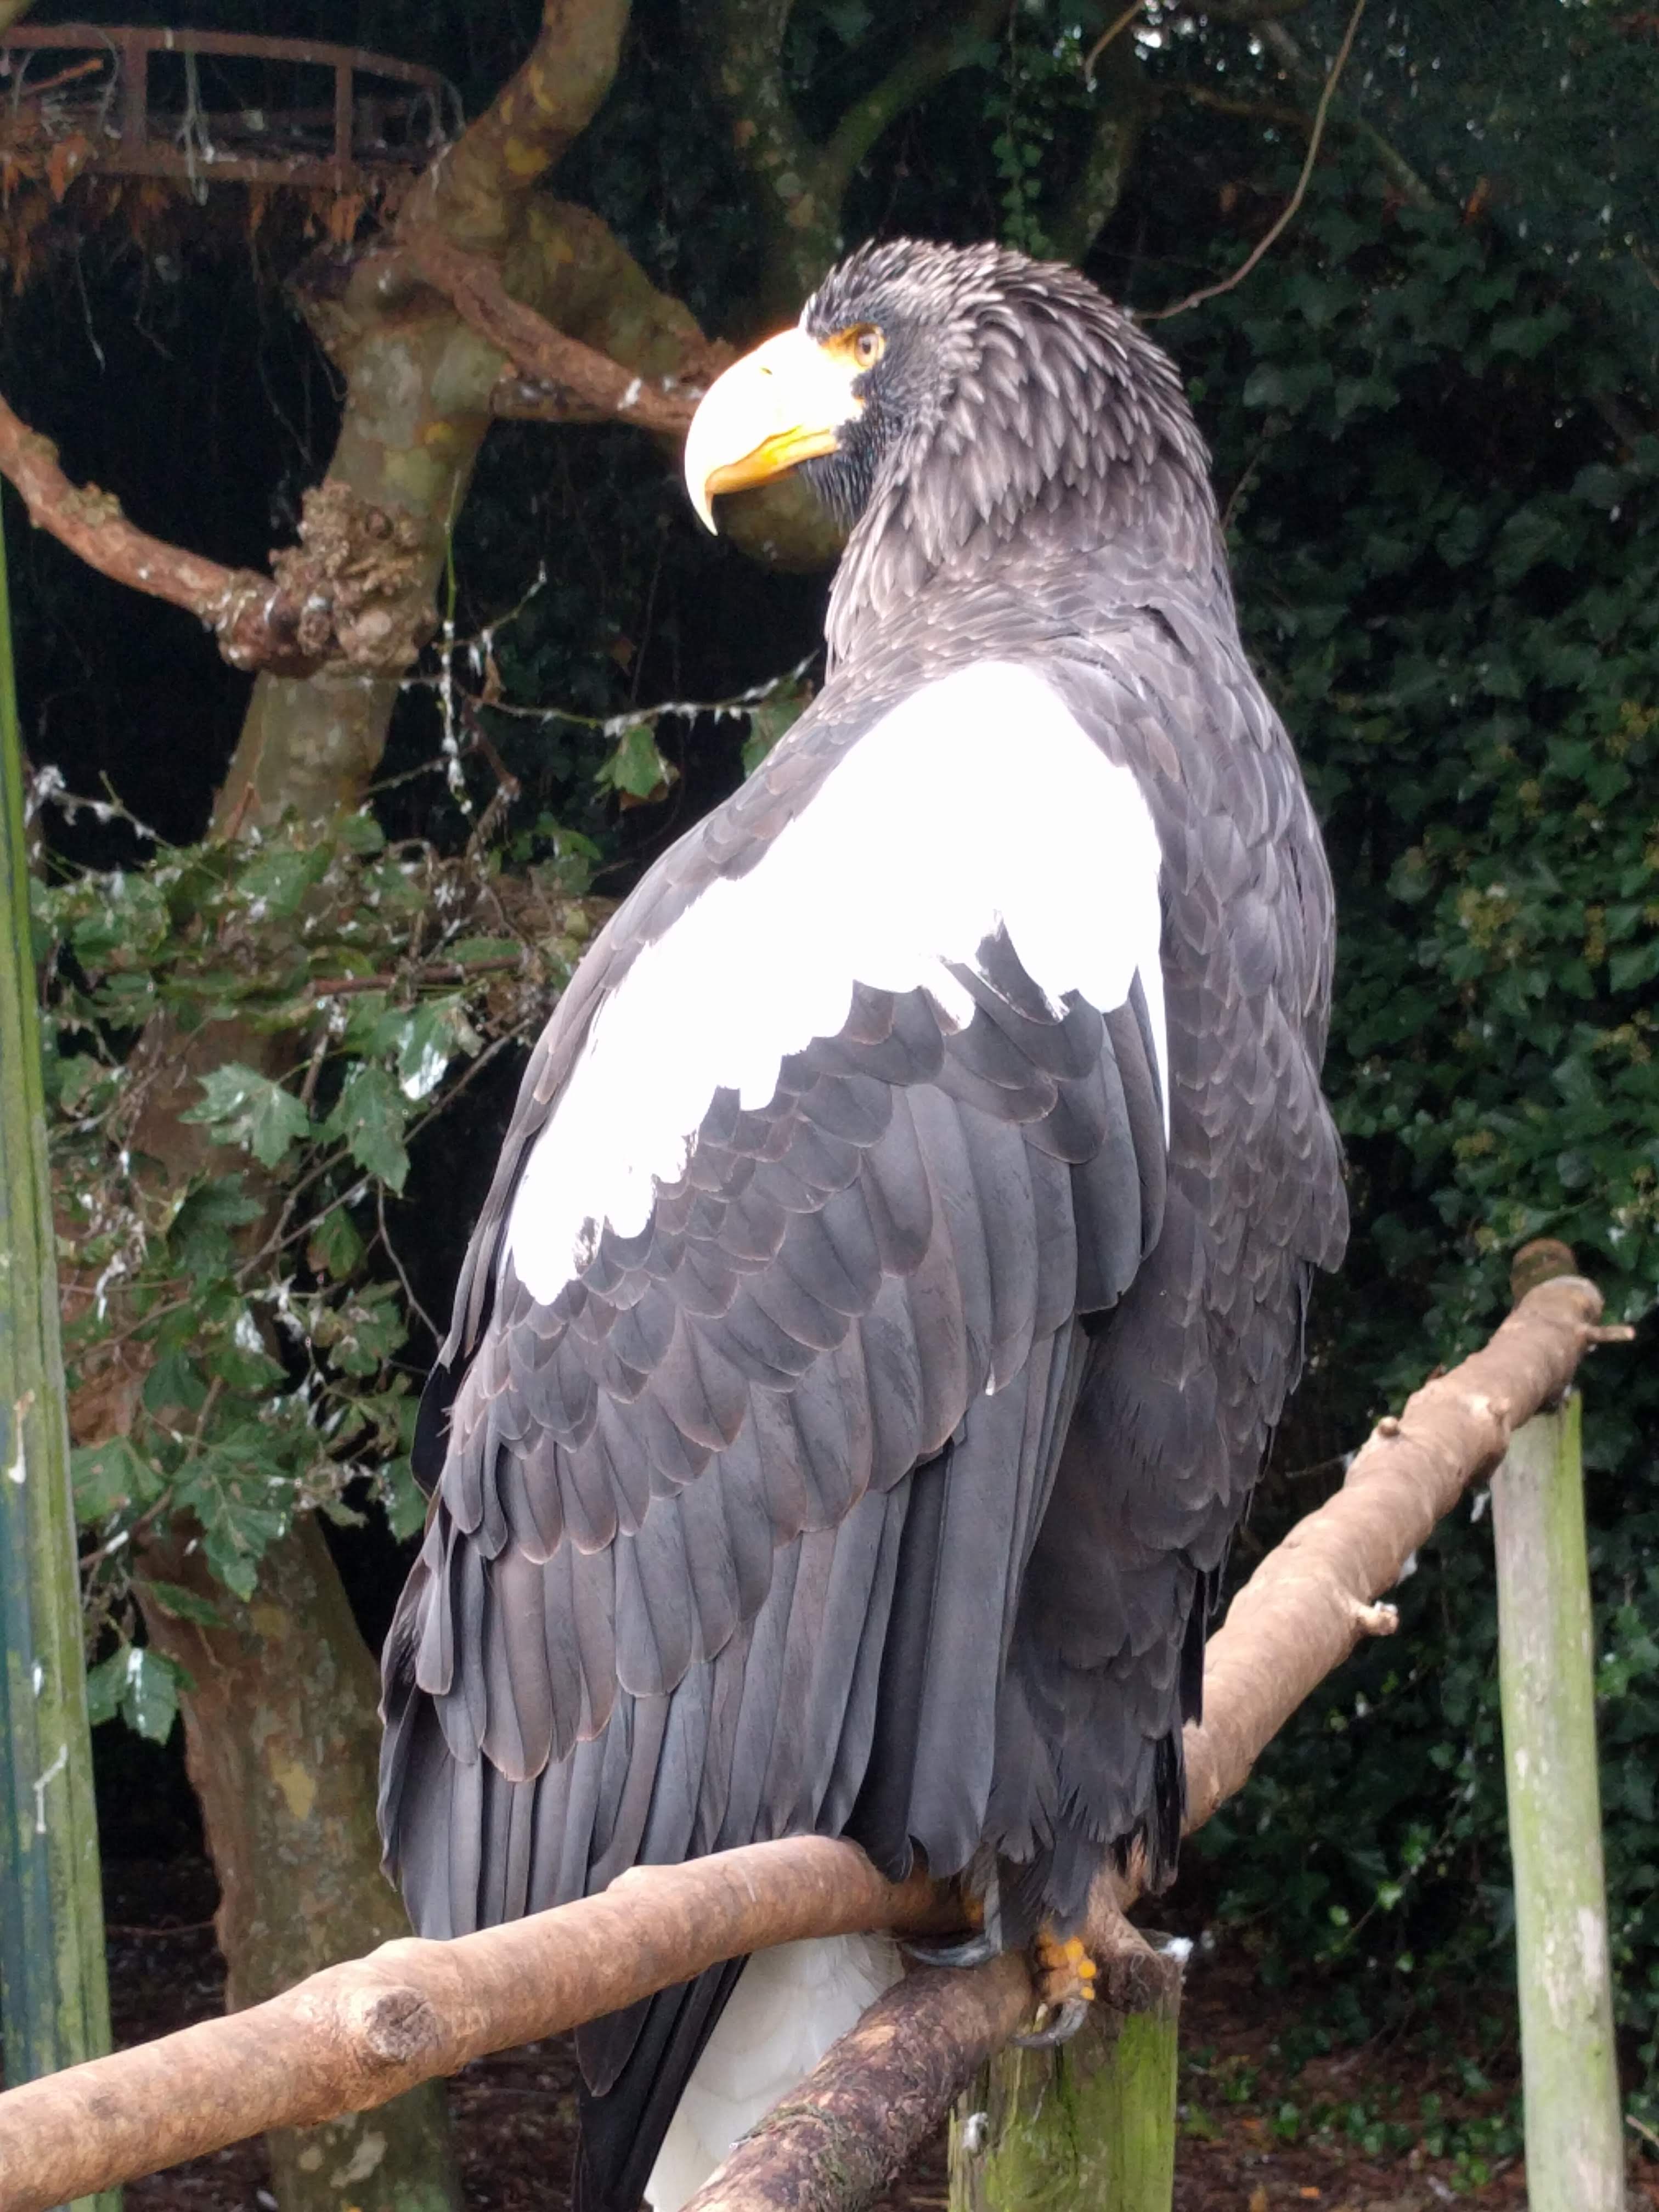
[975, 1950]
[1068, 2018]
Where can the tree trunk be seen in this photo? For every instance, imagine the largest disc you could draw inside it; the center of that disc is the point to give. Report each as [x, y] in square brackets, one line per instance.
[282, 1735]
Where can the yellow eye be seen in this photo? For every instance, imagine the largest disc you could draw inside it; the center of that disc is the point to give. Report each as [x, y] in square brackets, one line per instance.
[868, 345]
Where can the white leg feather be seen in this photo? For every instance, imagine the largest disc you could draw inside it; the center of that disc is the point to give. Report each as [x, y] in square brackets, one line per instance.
[787, 2009]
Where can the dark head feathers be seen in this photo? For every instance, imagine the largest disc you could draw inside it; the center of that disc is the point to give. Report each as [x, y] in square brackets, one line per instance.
[1013, 410]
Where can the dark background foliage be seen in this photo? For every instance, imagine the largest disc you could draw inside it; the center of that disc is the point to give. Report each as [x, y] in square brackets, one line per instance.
[1431, 411]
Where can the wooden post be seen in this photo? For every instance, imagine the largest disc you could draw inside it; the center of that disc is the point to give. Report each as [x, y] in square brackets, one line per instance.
[52, 1991]
[1091, 2127]
[1574, 2139]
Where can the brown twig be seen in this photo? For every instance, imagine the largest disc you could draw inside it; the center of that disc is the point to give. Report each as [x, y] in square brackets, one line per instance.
[1113, 30]
[430, 971]
[1264, 243]
[359, 2033]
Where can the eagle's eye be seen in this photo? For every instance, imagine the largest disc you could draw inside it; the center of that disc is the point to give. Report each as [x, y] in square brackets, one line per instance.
[866, 344]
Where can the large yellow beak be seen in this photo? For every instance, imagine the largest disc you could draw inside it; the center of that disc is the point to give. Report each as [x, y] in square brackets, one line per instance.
[784, 403]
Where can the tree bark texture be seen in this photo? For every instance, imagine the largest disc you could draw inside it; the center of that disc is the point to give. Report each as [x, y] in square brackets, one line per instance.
[1547, 1675]
[359, 2033]
[54, 2000]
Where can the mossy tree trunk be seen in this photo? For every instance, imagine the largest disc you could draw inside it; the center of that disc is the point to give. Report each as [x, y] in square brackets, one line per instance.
[1091, 2127]
[1546, 1677]
[53, 1997]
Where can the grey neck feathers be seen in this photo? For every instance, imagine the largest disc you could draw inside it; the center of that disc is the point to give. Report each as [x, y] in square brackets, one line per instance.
[1060, 449]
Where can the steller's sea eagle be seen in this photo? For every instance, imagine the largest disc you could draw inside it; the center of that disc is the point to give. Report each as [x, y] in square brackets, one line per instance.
[898, 1261]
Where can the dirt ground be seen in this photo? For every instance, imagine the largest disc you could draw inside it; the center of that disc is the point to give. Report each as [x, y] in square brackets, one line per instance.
[1385, 2126]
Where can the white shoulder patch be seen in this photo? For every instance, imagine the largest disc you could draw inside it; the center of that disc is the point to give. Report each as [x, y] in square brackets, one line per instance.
[977, 801]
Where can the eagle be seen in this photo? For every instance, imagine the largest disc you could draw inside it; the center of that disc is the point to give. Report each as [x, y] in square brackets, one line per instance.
[898, 1256]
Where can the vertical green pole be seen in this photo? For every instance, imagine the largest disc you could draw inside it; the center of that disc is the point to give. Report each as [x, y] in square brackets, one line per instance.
[1090, 2127]
[53, 1996]
[1575, 2148]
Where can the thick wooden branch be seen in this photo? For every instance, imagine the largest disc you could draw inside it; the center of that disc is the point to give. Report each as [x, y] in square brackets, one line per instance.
[359, 2033]
[474, 192]
[256, 624]
[1124, 101]
[879, 2091]
[596, 388]
[1314, 1595]
[802, 182]
[350, 593]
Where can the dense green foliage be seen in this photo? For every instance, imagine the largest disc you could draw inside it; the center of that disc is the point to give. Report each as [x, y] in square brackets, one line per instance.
[1448, 570]
[1432, 410]
[242, 1337]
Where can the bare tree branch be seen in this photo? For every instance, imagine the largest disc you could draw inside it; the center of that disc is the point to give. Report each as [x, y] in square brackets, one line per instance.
[260, 622]
[1274, 112]
[601, 387]
[358, 2034]
[1263, 244]
[802, 184]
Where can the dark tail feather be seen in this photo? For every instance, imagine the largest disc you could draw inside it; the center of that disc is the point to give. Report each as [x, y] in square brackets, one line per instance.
[637, 2063]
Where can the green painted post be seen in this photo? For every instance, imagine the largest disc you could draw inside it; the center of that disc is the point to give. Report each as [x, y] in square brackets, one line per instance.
[1091, 2127]
[53, 1997]
[1575, 2146]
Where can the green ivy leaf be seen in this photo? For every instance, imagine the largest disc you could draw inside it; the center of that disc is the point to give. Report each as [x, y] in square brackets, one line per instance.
[637, 771]
[242, 1508]
[110, 1478]
[335, 1248]
[371, 1116]
[183, 1604]
[141, 1685]
[403, 1500]
[242, 1107]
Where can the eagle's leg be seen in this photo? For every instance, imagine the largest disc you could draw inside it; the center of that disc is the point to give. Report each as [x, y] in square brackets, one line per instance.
[1064, 1976]
[983, 1913]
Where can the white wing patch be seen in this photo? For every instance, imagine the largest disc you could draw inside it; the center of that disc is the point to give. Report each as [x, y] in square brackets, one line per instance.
[977, 801]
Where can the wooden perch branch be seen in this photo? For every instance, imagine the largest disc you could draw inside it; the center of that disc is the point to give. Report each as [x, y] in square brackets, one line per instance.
[1297, 1618]
[359, 2033]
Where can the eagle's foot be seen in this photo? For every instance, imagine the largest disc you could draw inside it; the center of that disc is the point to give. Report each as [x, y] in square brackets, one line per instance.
[977, 1949]
[1064, 1976]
